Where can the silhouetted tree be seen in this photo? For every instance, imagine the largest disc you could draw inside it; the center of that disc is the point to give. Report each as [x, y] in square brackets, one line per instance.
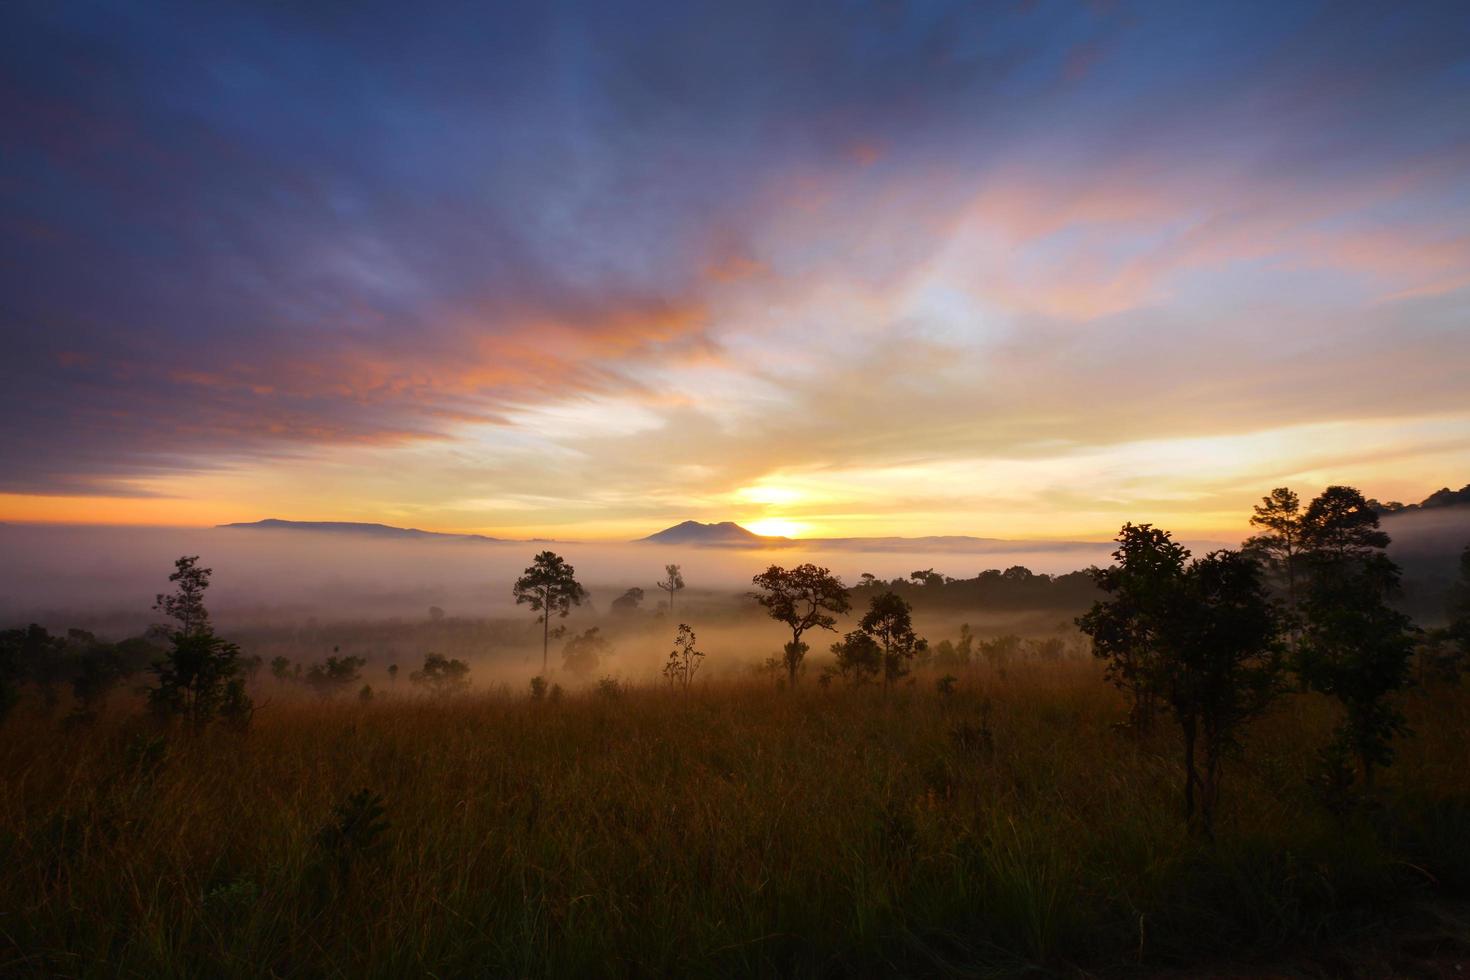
[442, 676]
[1357, 648]
[628, 601]
[859, 657]
[1221, 666]
[1125, 627]
[1279, 543]
[583, 653]
[889, 622]
[199, 677]
[804, 597]
[549, 587]
[335, 674]
[283, 670]
[392, 673]
[672, 582]
[1340, 526]
[684, 659]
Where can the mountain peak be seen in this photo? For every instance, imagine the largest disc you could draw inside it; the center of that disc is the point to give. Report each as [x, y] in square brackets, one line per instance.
[696, 533]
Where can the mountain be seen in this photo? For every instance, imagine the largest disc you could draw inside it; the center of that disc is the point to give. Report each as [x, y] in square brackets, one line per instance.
[1440, 498]
[725, 533]
[353, 527]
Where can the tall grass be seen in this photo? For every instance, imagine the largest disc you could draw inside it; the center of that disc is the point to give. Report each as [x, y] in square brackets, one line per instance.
[735, 831]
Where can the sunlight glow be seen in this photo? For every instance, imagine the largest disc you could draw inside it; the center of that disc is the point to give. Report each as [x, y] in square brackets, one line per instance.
[776, 527]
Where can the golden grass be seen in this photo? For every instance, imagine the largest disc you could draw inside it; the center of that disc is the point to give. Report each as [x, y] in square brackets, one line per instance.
[736, 831]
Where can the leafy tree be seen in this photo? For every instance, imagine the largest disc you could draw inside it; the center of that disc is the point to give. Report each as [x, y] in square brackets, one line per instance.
[1355, 646]
[283, 670]
[672, 582]
[927, 578]
[859, 657]
[199, 677]
[1279, 543]
[684, 659]
[1340, 526]
[584, 652]
[335, 674]
[889, 621]
[1125, 626]
[186, 604]
[1221, 666]
[442, 676]
[804, 597]
[549, 587]
[30, 655]
[628, 602]
[393, 673]
[538, 688]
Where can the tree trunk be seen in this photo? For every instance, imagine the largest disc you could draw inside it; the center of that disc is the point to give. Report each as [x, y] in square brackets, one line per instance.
[545, 637]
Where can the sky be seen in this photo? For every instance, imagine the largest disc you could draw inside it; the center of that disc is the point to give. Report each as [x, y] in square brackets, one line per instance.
[584, 270]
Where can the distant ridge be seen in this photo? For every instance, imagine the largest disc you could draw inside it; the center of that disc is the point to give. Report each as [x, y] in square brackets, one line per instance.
[1439, 499]
[723, 533]
[728, 534]
[353, 527]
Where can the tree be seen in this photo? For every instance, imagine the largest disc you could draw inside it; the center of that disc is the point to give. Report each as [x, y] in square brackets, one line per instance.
[1279, 545]
[889, 621]
[186, 604]
[199, 677]
[583, 653]
[281, 670]
[1340, 526]
[804, 597]
[859, 658]
[549, 587]
[1125, 627]
[335, 674]
[442, 676]
[1221, 666]
[1356, 648]
[628, 602]
[672, 582]
[684, 659]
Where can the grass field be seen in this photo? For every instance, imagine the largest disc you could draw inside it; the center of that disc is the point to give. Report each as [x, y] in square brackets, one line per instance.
[735, 831]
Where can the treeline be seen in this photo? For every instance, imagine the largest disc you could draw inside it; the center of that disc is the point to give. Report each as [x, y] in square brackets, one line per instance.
[1015, 588]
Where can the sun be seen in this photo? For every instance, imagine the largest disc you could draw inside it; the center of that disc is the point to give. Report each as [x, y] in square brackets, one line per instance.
[775, 527]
